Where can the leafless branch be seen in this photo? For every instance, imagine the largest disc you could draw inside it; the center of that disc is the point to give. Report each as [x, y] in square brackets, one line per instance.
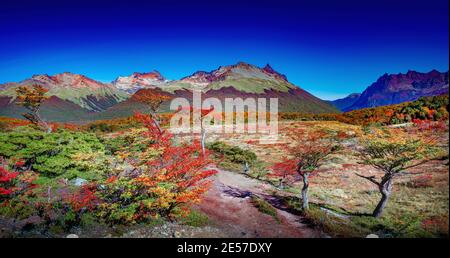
[370, 178]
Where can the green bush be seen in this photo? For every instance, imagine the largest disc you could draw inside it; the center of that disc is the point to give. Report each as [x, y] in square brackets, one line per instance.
[195, 219]
[131, 141]
[264, 207]
[113, 145]
[102, 127]
[62, 153]
[3, 126]
[233, 153]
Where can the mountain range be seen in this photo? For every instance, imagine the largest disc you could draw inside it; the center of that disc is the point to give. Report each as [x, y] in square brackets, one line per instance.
[78, 89]
[77, 98]
[392, 89]
[344, 103]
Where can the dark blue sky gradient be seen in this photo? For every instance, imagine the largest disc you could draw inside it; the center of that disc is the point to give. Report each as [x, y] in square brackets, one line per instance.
[330, 48]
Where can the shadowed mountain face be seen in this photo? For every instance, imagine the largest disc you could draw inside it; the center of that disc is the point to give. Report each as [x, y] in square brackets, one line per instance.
[346, 102]
[397, 88]
[54, 109]
[294, 100]
[78, 98]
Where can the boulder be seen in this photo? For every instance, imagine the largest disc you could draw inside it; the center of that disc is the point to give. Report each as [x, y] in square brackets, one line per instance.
[79, 181]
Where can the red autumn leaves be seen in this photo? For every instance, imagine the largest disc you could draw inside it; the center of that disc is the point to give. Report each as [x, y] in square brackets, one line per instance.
[6, 178]
[15, 182]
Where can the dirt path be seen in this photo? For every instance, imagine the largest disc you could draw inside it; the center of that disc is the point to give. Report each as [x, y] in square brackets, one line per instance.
[228, 205]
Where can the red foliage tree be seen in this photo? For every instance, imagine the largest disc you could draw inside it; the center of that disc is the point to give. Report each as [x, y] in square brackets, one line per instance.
[7, 186]
[309, 156]
[82, 199]
[166, 175]
[309, 152]
[32, 99]
[285, 171]
[154, 99]
[14, 183]
[177, 176]
[180, 165]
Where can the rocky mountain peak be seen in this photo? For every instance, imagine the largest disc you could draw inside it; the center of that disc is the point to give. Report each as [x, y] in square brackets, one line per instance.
[137, 81]
[268, 69]
[155, 75]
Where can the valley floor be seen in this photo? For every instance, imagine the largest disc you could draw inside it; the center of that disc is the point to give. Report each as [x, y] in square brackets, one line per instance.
[250, 205]
[229, 206]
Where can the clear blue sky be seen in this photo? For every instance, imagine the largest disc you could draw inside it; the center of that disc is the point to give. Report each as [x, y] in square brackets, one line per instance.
[330, 48]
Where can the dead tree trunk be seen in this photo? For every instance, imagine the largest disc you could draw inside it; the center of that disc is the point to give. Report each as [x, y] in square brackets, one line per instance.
[246, 168]
[203, 139]
[305, 200]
